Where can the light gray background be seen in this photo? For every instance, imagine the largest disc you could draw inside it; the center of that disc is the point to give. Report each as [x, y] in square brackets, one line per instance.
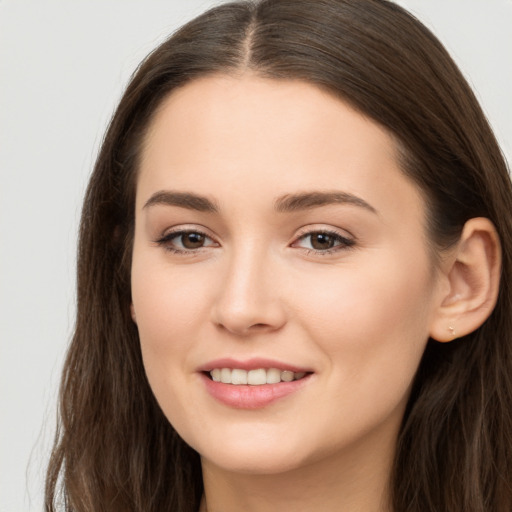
[63, 66]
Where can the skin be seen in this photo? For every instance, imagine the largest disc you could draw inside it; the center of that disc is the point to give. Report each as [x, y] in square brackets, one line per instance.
[358, 316]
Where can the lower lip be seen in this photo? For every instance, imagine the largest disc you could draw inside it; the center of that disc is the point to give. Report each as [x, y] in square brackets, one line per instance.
[251, 397]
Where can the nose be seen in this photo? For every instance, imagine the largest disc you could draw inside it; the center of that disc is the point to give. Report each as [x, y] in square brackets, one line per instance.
[249, 300]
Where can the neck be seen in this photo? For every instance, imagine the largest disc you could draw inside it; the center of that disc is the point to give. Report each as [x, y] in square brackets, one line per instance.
[353, 482]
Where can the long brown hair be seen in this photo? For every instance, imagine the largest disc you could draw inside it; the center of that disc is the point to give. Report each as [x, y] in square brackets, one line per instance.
[114, 449]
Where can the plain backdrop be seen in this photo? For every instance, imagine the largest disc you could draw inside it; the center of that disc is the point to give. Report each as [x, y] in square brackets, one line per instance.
[63, 66]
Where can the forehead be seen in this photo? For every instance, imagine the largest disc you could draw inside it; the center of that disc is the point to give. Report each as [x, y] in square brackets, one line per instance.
[222, 134]
[254, 111]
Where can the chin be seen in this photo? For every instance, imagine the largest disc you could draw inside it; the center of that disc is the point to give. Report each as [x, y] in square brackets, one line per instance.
[250, 455]
[256, 463]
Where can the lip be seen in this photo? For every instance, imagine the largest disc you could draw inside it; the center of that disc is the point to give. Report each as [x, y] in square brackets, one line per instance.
[251, 364]
[251, 397]
[247, 396]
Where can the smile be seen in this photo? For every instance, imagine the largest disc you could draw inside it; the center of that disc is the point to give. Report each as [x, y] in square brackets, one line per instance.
[256, 377]
[254, 383]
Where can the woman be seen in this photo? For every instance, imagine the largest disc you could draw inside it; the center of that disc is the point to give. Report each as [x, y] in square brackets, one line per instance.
[294, 277]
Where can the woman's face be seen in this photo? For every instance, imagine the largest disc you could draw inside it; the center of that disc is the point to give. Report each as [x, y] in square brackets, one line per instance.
[276, 236]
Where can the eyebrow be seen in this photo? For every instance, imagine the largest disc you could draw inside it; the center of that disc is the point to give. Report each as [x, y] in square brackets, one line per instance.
[286, 203]
[183, 200]
[309, 200]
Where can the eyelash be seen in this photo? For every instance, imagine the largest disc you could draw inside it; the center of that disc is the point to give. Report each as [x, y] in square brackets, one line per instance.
[166, 241]
[342, 242]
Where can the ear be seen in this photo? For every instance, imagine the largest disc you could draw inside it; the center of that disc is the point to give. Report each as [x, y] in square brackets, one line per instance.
[132, 313]
[471, 276]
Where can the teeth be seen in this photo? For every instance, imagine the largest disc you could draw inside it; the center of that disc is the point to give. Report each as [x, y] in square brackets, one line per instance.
[273, 376]
[239, 377]
[257, 377]
[287, 376]
[225, 376]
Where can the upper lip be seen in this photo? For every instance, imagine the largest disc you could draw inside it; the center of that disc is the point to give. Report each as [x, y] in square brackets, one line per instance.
[251, 364]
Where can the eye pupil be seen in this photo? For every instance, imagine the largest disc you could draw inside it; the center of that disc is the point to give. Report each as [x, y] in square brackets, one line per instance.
[321, 241]
[192, 240]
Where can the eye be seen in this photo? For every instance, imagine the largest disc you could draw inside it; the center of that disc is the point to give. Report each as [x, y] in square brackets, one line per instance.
[323, 241]
[185, 241]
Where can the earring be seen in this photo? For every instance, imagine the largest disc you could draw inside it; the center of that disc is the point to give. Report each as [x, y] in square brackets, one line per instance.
[452, 331]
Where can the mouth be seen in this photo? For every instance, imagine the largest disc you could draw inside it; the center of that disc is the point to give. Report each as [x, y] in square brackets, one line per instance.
[253, 384]
[255, 377]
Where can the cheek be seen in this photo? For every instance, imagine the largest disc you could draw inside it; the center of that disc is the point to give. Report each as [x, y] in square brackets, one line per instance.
[372, 331]
[163, 315]
[369, 322]
[167, 302]
[168, 307]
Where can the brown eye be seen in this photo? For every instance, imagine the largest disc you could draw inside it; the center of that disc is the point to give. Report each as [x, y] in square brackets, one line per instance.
[192, 240]
[186, 241]
[322, 241]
